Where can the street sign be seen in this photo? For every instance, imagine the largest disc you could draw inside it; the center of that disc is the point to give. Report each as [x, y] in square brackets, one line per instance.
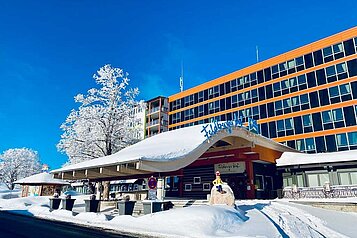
[152, 183]
[152, 194]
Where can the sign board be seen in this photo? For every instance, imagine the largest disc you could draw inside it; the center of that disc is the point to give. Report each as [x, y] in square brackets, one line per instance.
[152, 194]
[230, 168]
[213, 128]
[152, 183]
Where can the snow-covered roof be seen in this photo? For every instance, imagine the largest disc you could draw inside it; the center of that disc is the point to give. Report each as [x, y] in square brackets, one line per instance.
[41, 178]
[123, 181]
[172, 150]
[291, 158]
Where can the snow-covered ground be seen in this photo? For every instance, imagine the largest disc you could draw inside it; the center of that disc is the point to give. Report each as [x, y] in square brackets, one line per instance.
[252, 218]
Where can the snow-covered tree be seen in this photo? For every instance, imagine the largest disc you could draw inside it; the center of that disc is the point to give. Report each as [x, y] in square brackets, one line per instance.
[18, 163]
[102, 124]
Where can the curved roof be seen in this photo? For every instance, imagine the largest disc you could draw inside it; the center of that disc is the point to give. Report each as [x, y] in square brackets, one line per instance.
[172, 150]
[41, 178]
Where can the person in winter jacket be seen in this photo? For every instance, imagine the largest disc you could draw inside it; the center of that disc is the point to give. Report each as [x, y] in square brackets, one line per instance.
[218, 182]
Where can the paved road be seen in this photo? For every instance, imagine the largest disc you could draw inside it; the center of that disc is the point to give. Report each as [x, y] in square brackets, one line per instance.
[18, 226]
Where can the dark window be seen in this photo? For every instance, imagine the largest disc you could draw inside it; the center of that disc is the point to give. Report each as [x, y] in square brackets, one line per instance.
[205, 109]
[354, 89]
[228, 87]
[308, 61]
[260, 76]
[320, 144]
[272, 129]
[298, 125]
[321, 77]
[352, 67]
[324, 98]
[229, 116]
[261, 92]
[222, 105]
[349, 47]
[314, 99]
[267, 74]
[264, 129]
[221, 89]
[270, 109]
[263, 111]
[311, 80]
[228, 103]
[291, 144]
[195, 98]
[331, 143]
[318, 57]
[350, 118]
[205, 94]
[317, 122]
[269, 91]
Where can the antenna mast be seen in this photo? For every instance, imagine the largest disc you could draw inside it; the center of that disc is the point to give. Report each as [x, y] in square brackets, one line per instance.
[181, 77]
[257, 52]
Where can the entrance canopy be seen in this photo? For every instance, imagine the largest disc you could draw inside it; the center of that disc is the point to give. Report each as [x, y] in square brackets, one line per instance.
[165, 152]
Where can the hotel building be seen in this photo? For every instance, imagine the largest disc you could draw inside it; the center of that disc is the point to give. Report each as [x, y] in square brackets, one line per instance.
[305, 98]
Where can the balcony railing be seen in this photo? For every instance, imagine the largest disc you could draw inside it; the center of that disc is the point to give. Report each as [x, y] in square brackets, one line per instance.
[156, 122]
[156, 109]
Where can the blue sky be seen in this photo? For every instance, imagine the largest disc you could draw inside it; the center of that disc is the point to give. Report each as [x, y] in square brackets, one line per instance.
[49, 51]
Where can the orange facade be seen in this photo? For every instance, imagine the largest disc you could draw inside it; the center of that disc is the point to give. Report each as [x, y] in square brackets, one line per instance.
[286, 57]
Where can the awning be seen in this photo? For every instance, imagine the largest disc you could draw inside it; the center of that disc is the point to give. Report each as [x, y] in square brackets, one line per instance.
[168, 151]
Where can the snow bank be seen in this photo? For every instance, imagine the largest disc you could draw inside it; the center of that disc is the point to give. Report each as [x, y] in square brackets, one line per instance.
[197, 221]
[5, 193]
[252, 218]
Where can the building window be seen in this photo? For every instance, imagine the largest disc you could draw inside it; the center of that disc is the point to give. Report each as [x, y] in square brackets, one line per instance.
[200, 110]
[196, 180]
[189, 114]
[341, 140]
[188, 187]
[338, 117]
[213, 92]
[254, 95]
[347, 178]
[300, 145]
[234, 85]
[289, 124]
[299, 63]
[304, 101]
[200, 96]
[176, 118]
[253, 78]
[259, 182]
[310, 144]
[287, 181]
[280, 125]
[206, 187]
[352, 138]
[315, 180]
[213, 107]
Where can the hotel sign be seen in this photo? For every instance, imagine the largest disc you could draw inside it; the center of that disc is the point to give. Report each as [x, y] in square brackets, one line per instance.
[230, 168]
[213, 128]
